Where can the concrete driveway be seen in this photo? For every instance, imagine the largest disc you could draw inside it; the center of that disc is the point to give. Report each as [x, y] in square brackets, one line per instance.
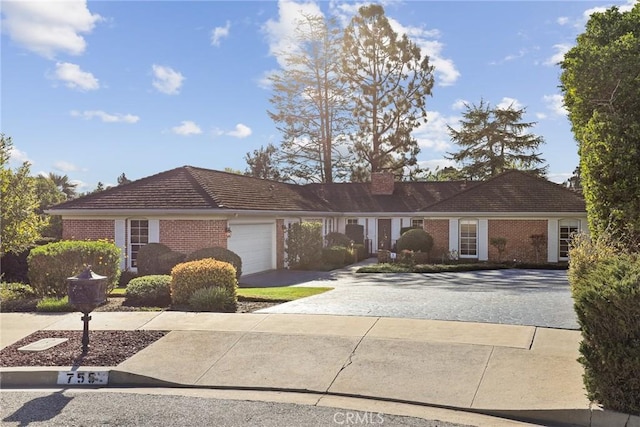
[515, 297]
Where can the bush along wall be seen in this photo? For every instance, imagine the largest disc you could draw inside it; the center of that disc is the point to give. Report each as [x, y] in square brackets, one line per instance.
[607, 303]
[50, 265]
[188, 277]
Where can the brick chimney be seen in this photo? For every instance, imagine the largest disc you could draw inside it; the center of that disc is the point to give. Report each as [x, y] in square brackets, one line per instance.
[382, 183]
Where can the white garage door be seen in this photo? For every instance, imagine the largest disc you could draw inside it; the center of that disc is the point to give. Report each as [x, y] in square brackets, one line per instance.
[254, 244]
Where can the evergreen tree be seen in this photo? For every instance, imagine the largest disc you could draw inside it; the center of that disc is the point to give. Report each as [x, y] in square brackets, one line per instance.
[122, 179]
[310, 104]
[601, 86]
[493, 140]
[263, 164]
[388, 80]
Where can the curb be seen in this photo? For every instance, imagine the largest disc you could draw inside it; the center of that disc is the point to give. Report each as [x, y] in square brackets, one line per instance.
[49, 377]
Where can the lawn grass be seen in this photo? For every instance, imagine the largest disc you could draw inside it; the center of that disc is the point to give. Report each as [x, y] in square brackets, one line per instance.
[282, 293]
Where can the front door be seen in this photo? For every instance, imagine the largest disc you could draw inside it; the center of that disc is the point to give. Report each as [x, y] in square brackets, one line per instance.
[384, 234]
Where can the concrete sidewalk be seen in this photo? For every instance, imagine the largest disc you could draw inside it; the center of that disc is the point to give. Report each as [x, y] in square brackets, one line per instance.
[518, 372]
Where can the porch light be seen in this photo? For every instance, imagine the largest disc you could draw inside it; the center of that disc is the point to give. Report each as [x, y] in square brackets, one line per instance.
[228, 232]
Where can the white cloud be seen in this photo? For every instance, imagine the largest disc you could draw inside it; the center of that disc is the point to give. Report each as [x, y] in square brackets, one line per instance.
[562, 20]
[445, 69]
[434, 134]
[280, 33]
[541, 116]
[459, 104]
[241, 131]
[64, 166]
[186, 128]
[219, 33]
[106, 117]
[49, 27]
[436, 164]
[558, 56]
[74, 78]
[17, 157]
[555, 103]
[264, 81]
[167, 80]
[510, 102]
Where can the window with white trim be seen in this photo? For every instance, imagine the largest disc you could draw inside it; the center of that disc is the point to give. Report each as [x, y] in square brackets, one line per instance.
[138, 237]
[352, 221]
[468, 244]
[417, 223]
[568, 227]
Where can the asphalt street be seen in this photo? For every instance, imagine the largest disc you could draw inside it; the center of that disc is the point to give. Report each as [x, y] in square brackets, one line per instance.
[87, 408]
[516, 297]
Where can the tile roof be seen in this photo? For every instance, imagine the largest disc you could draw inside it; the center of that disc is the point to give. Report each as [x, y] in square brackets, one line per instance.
[191, 188]
[512, 191]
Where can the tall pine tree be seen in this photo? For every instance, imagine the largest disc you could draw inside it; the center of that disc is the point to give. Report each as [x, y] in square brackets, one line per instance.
[493, 140]
[388, 81]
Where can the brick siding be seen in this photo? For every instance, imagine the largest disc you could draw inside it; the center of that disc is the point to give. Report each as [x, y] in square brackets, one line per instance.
[187, 236]
[517, 233]
[88, 229]
[439, 230]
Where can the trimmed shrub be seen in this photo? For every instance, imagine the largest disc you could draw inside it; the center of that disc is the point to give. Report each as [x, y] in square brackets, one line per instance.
[585, 253]
[360, 252]
[219, 253]
[416, 240]
[50, 265]
[406, 257]
[304, 245]
[384, 256]
[214, 299]
[188, 277]
[420, 258]
[149, 291]
[607, 302]
[125, 277]
[337, 239]
[55, 305]
[334, 256]
[10, 291]
[148, 255]
[167, 261]
[355, 232]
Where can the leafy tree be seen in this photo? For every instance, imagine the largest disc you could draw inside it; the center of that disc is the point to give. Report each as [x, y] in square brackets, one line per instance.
[310, 107]
[574, 182]
[63, 183]
[48, 194]
[388, 80]
[122, 179]
[263, 164]
[601, 81]
[20, 226]
[492, 140]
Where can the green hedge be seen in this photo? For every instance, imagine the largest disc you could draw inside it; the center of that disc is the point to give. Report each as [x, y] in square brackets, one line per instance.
[304, 245]
[334, 256]
[416, 240]
[50, 265]
[149, 291]
[607, 302]
[219, 253]
[157, 259]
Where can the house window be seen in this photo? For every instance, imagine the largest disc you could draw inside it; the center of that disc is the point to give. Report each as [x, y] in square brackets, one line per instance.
[352, 221]
[468, 238]
[417, 223]
[138, 237]
[567, 229]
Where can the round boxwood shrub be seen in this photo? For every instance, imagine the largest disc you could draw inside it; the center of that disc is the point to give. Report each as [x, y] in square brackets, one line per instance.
[149, 291]
[148, 258]
[213, 299]
[338, 239]
[416, 240]
[219, 253]
[188, 277]
[334, 256]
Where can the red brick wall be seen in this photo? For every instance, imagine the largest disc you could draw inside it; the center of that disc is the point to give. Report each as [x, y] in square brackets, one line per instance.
[88, 229]
[439, 230]
[382, 183]
[279, 243]
[517, 233]
[189, 235]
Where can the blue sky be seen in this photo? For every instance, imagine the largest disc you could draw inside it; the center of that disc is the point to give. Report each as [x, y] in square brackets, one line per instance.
[96, 89]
